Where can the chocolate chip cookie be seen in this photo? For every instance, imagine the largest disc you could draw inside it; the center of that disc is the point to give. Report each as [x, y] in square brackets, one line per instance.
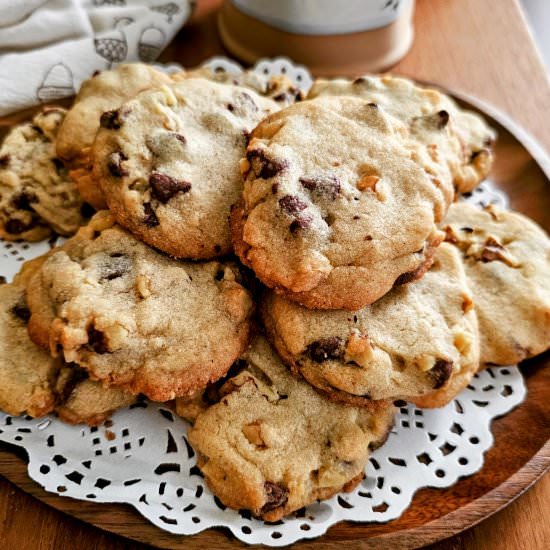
[36, 195]
[135, 318]
[168, 163]
[277, 87]
[34, 383]
[273, 445]
[26, 371]
[334, 211]
[413, 341]
[105, 91]
[84, 401]
[452, 139]
[507, 261]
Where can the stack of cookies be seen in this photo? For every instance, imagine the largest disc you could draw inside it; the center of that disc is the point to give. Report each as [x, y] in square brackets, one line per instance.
[284, 268]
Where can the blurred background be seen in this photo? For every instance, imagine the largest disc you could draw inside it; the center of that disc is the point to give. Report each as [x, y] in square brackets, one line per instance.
[538, 17]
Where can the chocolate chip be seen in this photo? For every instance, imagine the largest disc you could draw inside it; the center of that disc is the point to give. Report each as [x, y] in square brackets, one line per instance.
[440, 373]
[60, 167]
[22, 311]
[264, 167]
[76, 375]
[476, 154]
[405, 278]
[116, 267]
[442, 119]
[180, 138]
[275, 188]
[114, 164]
[16, 227]
[23, 200]
[283, 96]
[291, 204]
[164, 187]
[95, 73]
[53, 240]
[360, 80]
[275, 496]
[112, 120]
[150, 219]
[467, 229]
[87, 210]
[230, 107]
[4, 161]
[37, 129]
[328, 185]
[301, 222]
[373, 105]
[96, 340]
[325, 349]
[409, 276]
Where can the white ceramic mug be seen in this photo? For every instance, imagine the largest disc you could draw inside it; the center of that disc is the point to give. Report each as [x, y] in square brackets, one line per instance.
[315, 17]
[330, 37]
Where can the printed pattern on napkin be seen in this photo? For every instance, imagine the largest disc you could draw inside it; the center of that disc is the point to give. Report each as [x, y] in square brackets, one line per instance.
[48, 47]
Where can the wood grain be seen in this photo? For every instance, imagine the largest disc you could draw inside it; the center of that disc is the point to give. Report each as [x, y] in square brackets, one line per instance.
[472, 46]
[480, 47]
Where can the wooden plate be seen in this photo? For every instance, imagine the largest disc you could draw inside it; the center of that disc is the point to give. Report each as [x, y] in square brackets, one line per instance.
[519, 456]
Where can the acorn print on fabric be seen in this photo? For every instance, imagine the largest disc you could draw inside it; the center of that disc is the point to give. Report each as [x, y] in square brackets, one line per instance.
[113, 48]
[57, 83]
[109, 2]
[391, 5]
[123, 22]
[150, 44]
[169, 10]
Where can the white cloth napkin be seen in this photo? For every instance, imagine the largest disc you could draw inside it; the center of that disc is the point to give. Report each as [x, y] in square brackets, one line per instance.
[48, 47]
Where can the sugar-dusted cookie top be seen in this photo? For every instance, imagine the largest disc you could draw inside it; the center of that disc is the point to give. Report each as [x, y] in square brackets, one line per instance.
[168, 163]
[34, 383]
[334, 210]
[272, 444]
[135, 318]
[104, 91]
[507, 261]
[414, 340]
[37, 196]
[452, 139]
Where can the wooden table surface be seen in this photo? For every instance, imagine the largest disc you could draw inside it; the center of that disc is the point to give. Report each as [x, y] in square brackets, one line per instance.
[481, 47]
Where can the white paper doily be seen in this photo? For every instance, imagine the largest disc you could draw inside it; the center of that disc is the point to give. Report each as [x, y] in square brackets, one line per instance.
[142, 457]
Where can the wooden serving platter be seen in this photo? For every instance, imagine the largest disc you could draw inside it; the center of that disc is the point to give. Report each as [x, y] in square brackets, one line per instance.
[519, 456]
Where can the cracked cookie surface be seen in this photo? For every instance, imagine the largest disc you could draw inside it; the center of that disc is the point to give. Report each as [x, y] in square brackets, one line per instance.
[273, 444]
[334, 211]
[34, 383]
[37, 196]
[279, 88]
[455, 142]
[507, 261]
[105, 91]
[407, 345]
[168, 163]
[135, 318]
